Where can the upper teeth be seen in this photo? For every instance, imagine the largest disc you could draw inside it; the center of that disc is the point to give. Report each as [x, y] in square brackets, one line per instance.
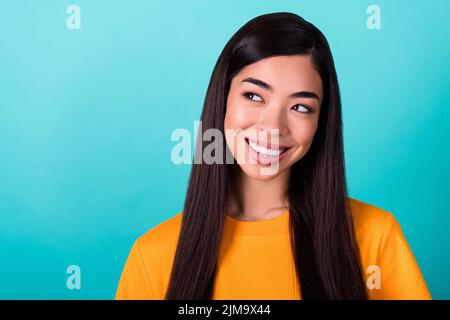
[265, 151]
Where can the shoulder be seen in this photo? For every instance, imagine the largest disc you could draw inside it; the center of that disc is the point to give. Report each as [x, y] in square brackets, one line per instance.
[150, 261]
[372, 226]
[369, 219]
[162, 238]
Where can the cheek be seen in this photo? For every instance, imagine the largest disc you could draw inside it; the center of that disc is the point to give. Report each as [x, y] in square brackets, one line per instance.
[238, 118]
[239, 115]
[303, 133]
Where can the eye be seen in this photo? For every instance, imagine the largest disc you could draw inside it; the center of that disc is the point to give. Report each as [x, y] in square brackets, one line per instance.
[252, 96]
[304, 108]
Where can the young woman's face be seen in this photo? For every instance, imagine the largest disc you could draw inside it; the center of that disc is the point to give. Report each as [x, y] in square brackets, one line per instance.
[273, 103]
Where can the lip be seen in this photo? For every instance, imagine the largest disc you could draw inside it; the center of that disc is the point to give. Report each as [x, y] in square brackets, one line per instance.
[264, 160]
[267, 144]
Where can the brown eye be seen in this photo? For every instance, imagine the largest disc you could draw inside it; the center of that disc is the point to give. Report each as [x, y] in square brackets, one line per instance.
[303, 109]
[252, 96]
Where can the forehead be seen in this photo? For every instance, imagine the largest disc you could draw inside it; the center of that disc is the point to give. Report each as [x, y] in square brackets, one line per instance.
[284, 73]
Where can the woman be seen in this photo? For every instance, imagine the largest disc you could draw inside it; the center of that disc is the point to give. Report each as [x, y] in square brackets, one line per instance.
[288, 233]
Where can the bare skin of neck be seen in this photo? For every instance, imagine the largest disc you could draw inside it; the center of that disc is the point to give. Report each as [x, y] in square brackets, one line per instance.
[253, 200]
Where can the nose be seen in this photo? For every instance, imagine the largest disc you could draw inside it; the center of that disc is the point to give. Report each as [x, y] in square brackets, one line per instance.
[273, 120]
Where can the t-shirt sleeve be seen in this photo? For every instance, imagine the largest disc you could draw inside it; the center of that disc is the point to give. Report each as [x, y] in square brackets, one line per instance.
[401, 278]
[134, 283]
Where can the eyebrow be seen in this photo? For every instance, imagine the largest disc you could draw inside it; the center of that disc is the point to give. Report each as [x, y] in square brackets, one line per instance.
[266, 86]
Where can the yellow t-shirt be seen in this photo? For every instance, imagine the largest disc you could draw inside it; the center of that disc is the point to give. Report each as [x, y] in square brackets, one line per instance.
[255, 260]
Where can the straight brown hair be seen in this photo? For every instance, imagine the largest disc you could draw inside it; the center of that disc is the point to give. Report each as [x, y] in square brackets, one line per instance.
[325, 251]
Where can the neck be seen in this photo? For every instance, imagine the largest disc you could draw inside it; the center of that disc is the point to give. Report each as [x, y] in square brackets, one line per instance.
[253, 199]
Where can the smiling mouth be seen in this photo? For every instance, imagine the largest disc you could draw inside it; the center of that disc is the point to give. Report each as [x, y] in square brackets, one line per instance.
[266, 152]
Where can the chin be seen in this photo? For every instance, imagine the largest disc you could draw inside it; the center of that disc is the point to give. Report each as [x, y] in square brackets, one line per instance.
[258, 172]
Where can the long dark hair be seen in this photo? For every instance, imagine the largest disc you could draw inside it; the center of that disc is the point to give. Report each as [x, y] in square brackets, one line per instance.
[323, 241]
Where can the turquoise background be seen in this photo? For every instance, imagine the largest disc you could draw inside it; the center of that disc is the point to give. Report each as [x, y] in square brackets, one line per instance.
[86, 118]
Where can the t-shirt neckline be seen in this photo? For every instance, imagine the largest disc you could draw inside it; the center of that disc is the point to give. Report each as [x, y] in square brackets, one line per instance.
[275, 225]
